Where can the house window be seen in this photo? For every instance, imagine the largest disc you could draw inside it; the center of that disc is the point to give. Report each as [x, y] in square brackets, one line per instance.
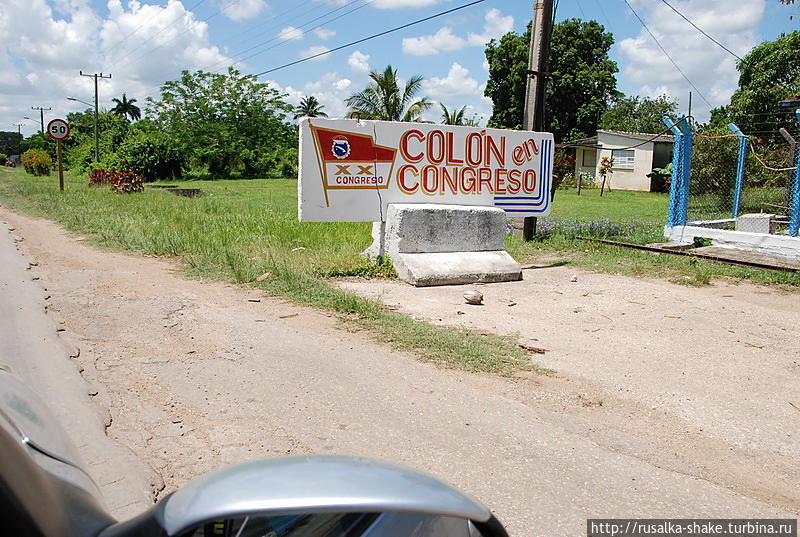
[623, 158]
[589, 159]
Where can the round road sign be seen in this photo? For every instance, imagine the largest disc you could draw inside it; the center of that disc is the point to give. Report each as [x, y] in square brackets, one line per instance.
[58, 129]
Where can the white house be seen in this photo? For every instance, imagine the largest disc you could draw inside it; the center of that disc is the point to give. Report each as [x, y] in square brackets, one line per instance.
[635, 155]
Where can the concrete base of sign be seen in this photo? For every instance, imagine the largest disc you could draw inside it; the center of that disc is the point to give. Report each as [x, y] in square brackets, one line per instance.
[432, 244]
[779, 245]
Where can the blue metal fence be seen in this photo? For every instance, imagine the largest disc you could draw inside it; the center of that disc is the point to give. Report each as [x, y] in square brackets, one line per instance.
[681, 187]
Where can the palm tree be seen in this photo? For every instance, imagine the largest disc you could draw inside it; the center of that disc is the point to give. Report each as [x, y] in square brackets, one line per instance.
[456, 117]
[452, 117]
[309, 107]
[126, 107]
[383, 99]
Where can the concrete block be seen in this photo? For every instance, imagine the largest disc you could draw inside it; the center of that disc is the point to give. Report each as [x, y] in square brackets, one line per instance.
[433, 244]
[451, 268]
[756, 223]
[429, 228]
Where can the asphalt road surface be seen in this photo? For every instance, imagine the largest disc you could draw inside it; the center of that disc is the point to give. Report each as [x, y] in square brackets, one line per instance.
[194, 375]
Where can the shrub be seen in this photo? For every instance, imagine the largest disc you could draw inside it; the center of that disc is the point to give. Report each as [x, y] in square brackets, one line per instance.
[3, 159]
[127, 182]
[124, 181]
[100, 177]
[37, 162]
[153, 157]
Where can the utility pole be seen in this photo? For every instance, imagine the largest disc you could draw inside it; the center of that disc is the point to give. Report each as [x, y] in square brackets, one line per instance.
[96, 107]
[41, 114]
[533, 119]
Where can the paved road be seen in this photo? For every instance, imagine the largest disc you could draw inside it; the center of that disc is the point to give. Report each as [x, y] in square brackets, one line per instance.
[196, 375]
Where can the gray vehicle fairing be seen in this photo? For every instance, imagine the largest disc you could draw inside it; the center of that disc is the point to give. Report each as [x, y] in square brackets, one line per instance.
[309, 484]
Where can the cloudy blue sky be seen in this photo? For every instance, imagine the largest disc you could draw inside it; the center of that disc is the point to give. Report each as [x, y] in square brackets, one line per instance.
[45, 43]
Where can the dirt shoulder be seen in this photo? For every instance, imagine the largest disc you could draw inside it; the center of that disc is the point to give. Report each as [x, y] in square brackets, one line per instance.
[196, 375]
[704, 379]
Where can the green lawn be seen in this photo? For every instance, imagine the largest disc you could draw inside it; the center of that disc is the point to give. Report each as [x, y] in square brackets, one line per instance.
[239, 230]
[616, 206]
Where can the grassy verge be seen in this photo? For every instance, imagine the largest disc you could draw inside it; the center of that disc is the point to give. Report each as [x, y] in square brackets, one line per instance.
[239, 230]
[630, 217]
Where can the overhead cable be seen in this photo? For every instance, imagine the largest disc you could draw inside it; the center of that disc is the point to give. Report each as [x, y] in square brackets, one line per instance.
[723, 47]
[667, 54]
[373, 36]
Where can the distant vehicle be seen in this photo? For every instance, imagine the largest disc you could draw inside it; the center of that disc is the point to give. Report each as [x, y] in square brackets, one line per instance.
[45, 492]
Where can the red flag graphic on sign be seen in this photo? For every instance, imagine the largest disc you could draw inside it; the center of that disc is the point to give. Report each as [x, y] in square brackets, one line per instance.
[350, 160]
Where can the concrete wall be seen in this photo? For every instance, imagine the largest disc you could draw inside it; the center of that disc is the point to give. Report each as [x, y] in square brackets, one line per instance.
[780, 245]
[627, 178]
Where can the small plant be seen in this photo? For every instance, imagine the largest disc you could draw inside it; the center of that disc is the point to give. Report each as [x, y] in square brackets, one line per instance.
[3, 159]
[361, 267]
[36, 162]
[124, 181]
[99, 177]
[127, 182]
[606, 168]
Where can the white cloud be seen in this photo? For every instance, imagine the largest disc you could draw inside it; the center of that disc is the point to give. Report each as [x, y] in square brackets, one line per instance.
[359, 62]
[324, 34]
[331, 90]
[290, 33]
[313, 51]
[50, 47]
[495, 25]
[456, 84]
[427, 45]
[709, 67]
[242, 9]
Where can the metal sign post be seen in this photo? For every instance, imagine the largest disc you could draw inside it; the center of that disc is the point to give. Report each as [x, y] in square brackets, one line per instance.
[58, 129]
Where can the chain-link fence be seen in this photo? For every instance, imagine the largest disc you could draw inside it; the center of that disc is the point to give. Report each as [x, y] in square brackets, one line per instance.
[736, 173]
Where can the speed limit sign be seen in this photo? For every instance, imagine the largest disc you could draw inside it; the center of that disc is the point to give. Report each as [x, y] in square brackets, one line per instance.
[58, 129]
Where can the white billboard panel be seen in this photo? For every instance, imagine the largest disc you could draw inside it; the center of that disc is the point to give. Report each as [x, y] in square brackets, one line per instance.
[350, 170]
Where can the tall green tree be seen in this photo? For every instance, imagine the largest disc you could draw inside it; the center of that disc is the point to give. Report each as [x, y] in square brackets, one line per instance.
[384, 99]
[309, 107]
[10, 142]
[228, 122]
[767, 75]
[124, 107]
[581, 90]
[638, 114]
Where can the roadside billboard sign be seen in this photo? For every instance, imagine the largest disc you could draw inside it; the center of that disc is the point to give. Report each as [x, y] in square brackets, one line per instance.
[350, 170]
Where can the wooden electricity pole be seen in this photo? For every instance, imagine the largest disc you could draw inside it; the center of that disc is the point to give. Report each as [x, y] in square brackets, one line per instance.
[533, 118]
[96, 112]
[41, 110]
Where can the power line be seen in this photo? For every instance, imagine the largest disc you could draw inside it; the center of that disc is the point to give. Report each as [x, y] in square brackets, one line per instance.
[726, 49]
[662, 133]
[302, 27]
[603, 11]
[259, 25]
[144, 23]
[173, 38]
[373, 36]
[667, 54]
